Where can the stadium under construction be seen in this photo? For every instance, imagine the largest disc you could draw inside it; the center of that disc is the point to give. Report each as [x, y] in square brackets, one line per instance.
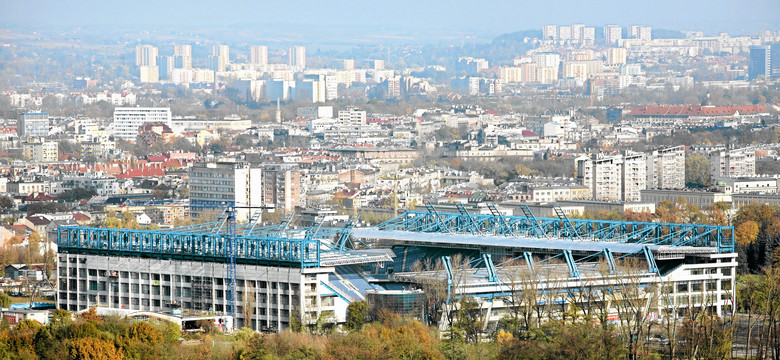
[265, 275]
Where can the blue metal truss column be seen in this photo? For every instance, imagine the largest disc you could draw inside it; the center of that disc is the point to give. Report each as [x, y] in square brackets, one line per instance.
[573, 272]
[491, 268]
[652, 267]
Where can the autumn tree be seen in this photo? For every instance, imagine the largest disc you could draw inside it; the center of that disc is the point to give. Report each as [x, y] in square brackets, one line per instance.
[94, 349]
[746, 233]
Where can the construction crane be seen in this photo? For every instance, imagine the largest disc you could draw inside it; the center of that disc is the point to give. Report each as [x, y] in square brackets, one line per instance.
[229, 223]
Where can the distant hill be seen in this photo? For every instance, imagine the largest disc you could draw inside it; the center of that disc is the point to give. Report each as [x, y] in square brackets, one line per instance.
[668, 34]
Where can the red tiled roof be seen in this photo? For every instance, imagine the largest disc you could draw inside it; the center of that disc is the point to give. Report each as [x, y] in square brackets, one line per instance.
[695, 110]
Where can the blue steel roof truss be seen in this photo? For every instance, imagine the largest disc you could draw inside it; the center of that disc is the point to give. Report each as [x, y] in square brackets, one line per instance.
[188, 246]
[670, 234]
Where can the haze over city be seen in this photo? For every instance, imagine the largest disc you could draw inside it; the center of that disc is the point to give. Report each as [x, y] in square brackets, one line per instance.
[390, 180]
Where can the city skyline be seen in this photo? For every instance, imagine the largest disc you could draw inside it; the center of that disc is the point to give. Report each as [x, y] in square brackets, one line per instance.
[717, 16]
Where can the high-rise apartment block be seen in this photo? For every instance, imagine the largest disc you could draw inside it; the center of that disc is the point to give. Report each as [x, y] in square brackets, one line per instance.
[146, 60]
[666, 168]
[182, 55]
[145, 55]
[733, 163]
[32, 125]
[550, 32]
[298, 56]
[616, 56]
[258, 55]
[640, 32]
[127, 120]
[612, 34]
[220, 57]
[348, 64]
[216, 185]
[619, 177]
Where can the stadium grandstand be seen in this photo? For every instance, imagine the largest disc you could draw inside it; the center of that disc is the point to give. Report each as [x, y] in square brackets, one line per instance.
[315, 272]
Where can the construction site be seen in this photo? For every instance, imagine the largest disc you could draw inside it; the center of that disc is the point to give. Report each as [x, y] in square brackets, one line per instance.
[267, 277]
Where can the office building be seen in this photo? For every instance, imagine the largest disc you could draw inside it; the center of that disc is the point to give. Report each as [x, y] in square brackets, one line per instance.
[127, 120]
[279, 89]
[761, 63]
[733, 163]
[666, 168]
[216, 185]
[32, 125]
[258, 55]
[297, 56]
[182, 55]
[311, 89]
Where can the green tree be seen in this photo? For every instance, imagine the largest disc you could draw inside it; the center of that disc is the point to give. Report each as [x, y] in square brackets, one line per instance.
[357, 313]
[5, 300]
[697, 171]
[6, 202]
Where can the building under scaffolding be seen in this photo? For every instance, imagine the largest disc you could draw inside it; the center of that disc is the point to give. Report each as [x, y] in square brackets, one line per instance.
[315, 272]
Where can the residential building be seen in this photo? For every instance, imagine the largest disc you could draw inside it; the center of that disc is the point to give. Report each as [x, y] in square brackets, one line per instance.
[31, 125]
[617, 177]
[216, 185]
[616, 56]
[634, 176]
[41, 151]
[666, 168]
[220, 57]
[127, 120]
[258, 55]
[297, 56]
[149, 74]
[733, 163]
[182, 55]
[612, 34]
[352, 116]
[145, 55]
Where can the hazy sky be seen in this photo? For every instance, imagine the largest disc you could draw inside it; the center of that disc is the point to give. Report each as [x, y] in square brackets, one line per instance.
[487, 16]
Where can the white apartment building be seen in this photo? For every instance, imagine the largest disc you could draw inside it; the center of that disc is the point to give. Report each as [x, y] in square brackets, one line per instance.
[352, 116]
[733, 163]
[258, 55]
[666, 168]
[634, 178]
[613, 33]
[298, 56]
[127, 120]
[182, 55]
[145, 55]
[215, 185]
[620, 177]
